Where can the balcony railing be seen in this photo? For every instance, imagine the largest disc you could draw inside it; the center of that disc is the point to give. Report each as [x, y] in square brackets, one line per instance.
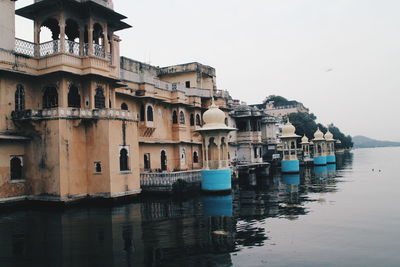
[49, 48]
[24, 47]
[54, 47]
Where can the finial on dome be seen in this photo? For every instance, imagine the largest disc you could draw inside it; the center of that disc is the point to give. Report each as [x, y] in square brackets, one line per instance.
[213, 103]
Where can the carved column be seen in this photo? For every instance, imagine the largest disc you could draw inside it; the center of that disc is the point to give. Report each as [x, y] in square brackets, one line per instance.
[90, 38]
[36, 38]
[81, 40]
[218, 143]
[62, 33]
[206, 142]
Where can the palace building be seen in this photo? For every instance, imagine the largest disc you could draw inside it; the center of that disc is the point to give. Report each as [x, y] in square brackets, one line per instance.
[77, 120]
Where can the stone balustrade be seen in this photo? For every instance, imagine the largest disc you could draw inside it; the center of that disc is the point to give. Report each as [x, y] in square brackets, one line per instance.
[164, 182]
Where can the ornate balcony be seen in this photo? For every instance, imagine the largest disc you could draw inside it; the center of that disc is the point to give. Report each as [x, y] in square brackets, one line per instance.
[249, 137]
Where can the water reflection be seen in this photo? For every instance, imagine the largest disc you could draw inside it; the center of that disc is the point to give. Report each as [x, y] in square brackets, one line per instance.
[198, 231]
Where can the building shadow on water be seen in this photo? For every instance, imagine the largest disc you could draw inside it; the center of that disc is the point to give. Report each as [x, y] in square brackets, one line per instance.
[192, 231]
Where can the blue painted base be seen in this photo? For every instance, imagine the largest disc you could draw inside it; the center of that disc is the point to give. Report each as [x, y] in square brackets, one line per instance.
[331, 159]
[290, 166]
[216, 180]
[319, 161]
[217, 205]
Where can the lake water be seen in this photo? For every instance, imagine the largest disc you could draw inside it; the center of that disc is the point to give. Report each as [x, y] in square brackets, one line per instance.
[325, 217]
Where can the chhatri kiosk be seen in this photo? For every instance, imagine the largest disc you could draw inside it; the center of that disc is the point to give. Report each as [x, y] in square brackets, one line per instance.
[290, 162]
[330, 148]
[319, 148]
[216, 173]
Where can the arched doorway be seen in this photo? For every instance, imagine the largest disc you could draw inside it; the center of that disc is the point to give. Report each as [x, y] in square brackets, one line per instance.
[123, 160]
[16, 168]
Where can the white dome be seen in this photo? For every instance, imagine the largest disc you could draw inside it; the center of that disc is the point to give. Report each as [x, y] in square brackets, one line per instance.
[214, 119]
[289, 130]
[304, 140]
[329, 136]
[318, 135]
[214, 115]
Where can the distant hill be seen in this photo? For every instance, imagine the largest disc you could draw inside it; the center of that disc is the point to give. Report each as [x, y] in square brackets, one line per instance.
[365, 142]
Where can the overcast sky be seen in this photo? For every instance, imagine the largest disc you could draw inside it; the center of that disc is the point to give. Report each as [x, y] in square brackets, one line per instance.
[340, 58]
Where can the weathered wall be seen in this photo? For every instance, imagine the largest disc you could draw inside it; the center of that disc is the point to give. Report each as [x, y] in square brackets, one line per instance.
[7, 187]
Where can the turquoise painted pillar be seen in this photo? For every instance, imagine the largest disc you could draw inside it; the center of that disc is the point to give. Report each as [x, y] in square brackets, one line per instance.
[216, 180]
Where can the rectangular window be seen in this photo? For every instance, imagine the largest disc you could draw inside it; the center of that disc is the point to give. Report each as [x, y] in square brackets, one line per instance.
[187, 84]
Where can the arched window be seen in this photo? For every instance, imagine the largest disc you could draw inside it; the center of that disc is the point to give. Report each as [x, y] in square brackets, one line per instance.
[149, 113]
[163, 160]
[146, 161]
[195, 157]
[49, 31]
[174, 117]
[198, 120]
[74, 98]
[223, 149]
[124, 106]
[192, 119]
[181, 117]
[99, 99]
[16, 168]
[142, 112]
[50, 97]
[72, 33]
[98, 34]
[123, 160]
[319, 147]
[183, 156]
[212, 151]
[19, 98]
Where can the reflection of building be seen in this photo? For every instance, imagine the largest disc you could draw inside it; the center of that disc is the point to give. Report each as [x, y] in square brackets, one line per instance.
[76, 237]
